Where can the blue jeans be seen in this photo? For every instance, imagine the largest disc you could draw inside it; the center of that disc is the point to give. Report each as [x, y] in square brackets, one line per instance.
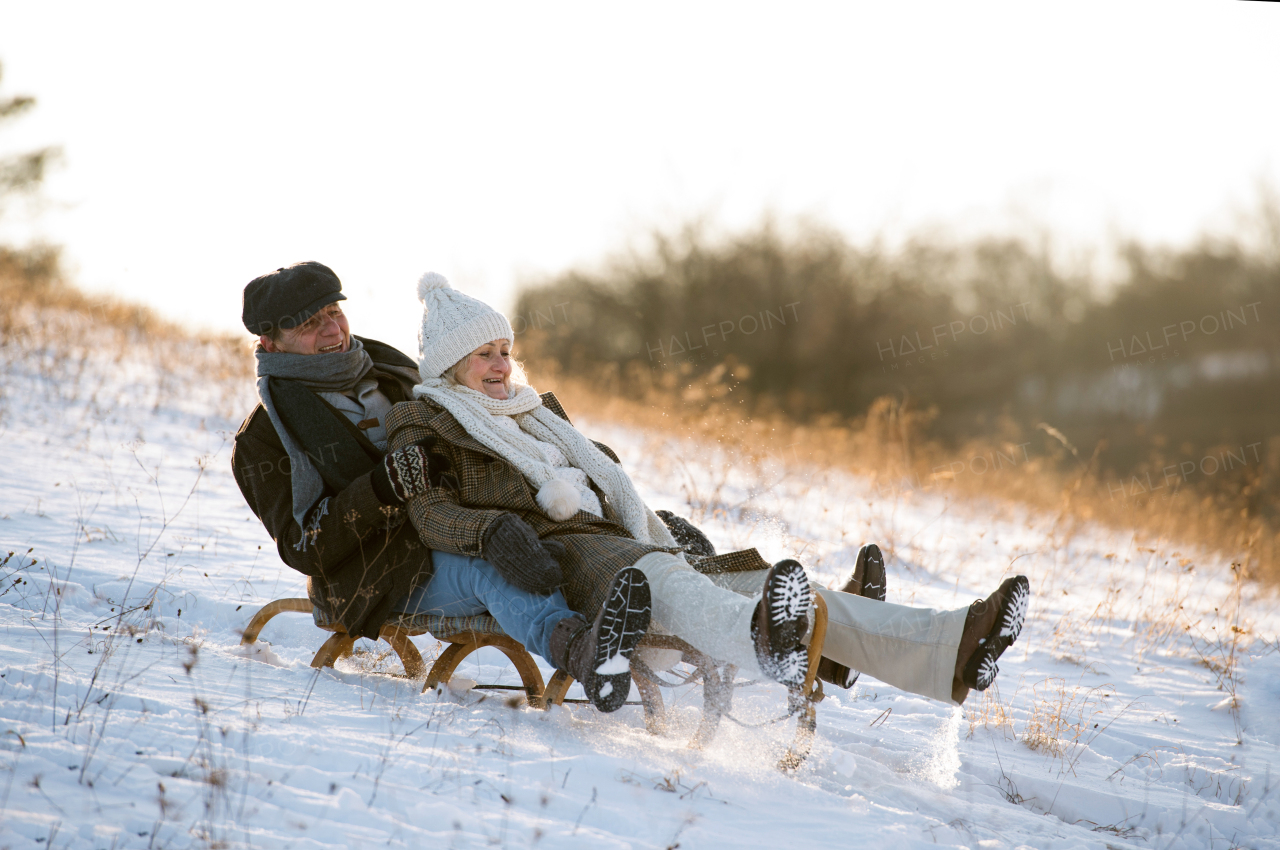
[463, 585]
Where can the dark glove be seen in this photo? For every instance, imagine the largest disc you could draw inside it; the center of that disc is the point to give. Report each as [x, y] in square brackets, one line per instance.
[401, 476]
[513, 548]
[687, 535]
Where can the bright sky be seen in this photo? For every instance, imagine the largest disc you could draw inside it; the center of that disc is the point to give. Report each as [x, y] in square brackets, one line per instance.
[207, 143]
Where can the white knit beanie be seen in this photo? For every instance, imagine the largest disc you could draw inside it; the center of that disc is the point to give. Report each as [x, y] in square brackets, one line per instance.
[453, 325]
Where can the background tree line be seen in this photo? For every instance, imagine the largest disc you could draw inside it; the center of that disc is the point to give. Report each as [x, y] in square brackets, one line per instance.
[974, 340]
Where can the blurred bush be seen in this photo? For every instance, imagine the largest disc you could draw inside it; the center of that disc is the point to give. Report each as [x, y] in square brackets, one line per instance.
[1164, 382]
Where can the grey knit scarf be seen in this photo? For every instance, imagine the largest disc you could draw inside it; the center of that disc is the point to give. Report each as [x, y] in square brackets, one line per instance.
[323, 373]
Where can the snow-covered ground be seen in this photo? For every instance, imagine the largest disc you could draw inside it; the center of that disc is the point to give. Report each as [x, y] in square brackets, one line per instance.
[1140, 708]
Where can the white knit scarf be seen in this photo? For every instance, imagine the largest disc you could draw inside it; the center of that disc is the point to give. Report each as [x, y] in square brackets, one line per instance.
[474, 411]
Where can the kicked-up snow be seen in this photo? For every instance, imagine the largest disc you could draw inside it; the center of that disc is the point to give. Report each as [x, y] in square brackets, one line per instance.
[1140, 707]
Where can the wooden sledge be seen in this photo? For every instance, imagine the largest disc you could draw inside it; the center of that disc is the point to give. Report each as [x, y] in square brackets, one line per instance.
[467, 634]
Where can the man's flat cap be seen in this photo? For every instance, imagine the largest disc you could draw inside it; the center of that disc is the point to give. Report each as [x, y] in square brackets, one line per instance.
[287, 297]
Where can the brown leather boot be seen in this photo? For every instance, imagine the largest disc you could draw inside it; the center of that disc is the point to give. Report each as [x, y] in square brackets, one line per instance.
[869, 581]
[599, 655]
[991, 627]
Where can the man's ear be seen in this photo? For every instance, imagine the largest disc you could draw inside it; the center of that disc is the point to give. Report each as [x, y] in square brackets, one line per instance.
[267, 345]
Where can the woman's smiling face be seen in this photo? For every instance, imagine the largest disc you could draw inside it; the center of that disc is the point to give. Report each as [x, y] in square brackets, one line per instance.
[488, 369]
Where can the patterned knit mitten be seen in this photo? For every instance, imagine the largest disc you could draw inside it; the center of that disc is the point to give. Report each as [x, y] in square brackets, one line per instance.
[401, 476]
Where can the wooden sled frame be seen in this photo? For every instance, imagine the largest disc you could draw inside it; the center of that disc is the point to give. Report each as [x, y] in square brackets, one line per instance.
[717, 679]
[461, 645]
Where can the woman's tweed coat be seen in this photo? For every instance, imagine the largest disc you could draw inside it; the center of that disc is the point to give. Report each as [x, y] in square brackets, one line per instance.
[455, 513]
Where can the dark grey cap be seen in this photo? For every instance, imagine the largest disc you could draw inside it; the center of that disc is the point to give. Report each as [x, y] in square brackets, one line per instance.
[287, 297]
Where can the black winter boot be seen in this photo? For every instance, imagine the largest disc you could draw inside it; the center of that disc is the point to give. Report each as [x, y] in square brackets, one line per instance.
[782, 618]
[868, 581]
[599, 655]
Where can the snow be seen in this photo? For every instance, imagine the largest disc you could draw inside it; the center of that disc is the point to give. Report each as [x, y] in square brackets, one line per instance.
[613, 666]
[1139, 708]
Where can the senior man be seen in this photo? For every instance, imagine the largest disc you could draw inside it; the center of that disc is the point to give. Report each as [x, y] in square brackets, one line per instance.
[311, 461]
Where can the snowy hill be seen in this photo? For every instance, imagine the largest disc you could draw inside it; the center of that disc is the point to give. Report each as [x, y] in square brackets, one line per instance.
[1140, 708]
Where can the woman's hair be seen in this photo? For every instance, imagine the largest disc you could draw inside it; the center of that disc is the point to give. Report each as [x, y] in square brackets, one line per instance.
[518, 376]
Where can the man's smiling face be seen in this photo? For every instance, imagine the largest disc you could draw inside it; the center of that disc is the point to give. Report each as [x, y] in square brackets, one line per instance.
[327, 332]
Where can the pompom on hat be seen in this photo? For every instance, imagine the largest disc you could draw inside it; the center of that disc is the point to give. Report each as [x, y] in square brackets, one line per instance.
[453, 325]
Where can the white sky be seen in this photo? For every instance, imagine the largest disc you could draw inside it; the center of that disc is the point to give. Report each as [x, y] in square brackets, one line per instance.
[207, 143]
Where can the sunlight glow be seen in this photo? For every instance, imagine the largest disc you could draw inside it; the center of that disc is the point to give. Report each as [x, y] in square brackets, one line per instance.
[206, 144]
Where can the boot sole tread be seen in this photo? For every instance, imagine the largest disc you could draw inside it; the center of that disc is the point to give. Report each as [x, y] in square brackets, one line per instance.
[789, 599]
[982, 669]
[788, 596]
[627, 612]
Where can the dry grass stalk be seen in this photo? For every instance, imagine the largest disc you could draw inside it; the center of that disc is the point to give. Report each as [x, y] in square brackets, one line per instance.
[1063, 717]
[991, 713]
[72, 341]
[888, 445]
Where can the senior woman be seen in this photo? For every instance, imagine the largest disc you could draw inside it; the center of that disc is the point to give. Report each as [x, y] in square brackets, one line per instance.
[501, 458]
[513, 463]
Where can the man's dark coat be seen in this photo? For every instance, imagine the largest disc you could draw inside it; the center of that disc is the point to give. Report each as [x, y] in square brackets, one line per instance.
[361, 557]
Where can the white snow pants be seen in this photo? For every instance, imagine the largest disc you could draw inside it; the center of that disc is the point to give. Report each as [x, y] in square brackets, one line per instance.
[709, 618]
[913, 649]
